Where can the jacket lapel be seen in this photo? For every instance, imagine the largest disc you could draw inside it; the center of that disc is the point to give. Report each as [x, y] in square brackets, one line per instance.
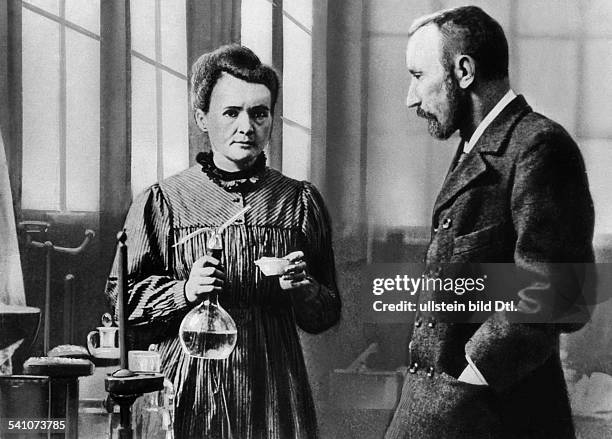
[492, 141]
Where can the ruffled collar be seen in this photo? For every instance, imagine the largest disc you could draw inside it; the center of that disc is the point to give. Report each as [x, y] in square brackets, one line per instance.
[239, 181]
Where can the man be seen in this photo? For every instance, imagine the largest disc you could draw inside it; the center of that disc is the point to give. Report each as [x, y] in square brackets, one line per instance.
[516, 193]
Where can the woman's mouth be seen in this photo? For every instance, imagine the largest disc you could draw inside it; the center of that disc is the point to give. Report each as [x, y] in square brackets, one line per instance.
[244, 143]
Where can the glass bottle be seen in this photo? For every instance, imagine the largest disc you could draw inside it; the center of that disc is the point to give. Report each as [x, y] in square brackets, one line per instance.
[208, 331]
[153, 412]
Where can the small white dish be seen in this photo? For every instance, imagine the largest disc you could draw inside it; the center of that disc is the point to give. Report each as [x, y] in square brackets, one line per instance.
[272, 266]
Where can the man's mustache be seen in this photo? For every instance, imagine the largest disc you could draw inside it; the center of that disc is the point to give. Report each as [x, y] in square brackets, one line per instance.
[424, 114]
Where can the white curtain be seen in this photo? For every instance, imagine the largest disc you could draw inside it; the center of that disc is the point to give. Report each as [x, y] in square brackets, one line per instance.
[11, 278]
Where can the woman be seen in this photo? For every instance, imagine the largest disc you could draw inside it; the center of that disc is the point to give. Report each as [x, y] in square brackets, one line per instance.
[262, 389]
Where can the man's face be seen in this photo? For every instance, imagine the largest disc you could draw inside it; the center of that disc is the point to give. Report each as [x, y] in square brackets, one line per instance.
[434, 92]
[239, 121]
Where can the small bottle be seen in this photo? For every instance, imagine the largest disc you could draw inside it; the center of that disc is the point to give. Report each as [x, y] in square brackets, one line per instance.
[152, 413]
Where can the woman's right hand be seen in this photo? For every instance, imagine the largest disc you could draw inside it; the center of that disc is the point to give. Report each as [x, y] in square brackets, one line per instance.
[205, 277]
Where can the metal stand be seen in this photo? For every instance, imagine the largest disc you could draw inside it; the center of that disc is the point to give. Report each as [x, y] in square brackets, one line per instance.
[40, 227]
[124, 386]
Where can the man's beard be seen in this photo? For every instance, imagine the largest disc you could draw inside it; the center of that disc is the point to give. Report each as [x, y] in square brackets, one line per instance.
[457, 107]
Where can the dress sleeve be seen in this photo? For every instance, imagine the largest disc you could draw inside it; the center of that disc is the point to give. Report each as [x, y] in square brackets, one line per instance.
[155, 296]
[321, 310]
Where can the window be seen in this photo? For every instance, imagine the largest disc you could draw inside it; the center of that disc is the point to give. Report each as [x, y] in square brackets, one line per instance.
[160, 145]
[61, 104]
[61, 99]
[257, 33]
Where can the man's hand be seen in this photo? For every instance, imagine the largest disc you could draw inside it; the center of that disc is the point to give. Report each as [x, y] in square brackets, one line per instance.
[205, 278]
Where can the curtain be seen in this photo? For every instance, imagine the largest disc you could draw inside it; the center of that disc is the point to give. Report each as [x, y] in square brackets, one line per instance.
[11, 278]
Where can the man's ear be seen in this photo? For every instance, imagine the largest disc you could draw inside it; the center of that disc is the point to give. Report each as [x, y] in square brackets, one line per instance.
[201, 120]
[465, 70]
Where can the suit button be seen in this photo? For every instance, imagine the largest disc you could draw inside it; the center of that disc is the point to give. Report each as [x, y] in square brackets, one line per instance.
[447, 223]
[431, 324]
[239, 221]
[418, 322]
[430, 372]
[414, 367]
[237, 200]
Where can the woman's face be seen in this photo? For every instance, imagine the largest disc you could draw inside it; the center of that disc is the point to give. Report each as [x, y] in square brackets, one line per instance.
[239, 122]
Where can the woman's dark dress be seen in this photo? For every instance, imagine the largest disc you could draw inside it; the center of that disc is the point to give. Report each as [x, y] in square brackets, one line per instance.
[262, 389]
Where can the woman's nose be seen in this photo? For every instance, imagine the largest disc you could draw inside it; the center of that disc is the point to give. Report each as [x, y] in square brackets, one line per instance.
[245, 124]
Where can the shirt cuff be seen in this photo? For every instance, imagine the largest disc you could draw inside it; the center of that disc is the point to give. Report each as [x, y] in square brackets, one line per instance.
[475, 370]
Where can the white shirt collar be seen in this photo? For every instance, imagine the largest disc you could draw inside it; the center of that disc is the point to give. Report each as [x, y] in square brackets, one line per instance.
[490, 117]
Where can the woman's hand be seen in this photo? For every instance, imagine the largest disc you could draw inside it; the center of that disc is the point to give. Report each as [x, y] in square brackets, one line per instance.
[205, 277]
[296, 277]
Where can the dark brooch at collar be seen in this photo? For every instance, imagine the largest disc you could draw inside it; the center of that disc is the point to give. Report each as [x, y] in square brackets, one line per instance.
[239, 181]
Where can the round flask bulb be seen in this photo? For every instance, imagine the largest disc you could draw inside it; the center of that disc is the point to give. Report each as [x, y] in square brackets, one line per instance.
[208, 331]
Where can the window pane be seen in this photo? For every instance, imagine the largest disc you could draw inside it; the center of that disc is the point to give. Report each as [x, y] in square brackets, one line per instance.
[142, 23]
[40, 64]
[144, 126]
[538, 17]
[598, 161]
[256, 28]
[48, 5]
[301, 10]
[394, 16]
[598, 17]
[598, 105]
[174, 35]
[297, 73]
[176, 141]
[296, 152]
[85, 13]
[549, 89]
[83, 122]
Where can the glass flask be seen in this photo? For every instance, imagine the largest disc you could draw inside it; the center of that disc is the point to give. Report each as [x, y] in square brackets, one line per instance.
[208, 331]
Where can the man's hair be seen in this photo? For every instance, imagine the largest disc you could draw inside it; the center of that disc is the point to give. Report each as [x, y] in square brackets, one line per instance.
[468, 30]
[235, 60]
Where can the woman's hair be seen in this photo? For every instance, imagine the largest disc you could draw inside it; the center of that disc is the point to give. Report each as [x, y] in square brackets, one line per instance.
[236, 60]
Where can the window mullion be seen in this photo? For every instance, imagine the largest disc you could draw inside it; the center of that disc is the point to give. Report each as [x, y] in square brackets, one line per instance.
[63, 123]
[276, 150]
[158, 92]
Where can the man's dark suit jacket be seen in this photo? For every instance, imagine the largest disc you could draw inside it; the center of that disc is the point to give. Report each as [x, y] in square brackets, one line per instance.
[520, 196]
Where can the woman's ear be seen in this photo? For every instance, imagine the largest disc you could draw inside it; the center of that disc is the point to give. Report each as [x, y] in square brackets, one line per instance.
[201, 120]
[465, 70]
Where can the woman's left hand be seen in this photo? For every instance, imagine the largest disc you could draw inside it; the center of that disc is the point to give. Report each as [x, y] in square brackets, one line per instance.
[295, 276]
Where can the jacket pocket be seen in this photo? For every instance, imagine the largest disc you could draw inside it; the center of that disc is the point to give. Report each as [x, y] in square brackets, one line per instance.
[470, 411]
[479, 239]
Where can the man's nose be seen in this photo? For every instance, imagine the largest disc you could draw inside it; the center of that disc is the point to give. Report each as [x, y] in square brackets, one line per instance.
[245, 124]
[412, 99]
